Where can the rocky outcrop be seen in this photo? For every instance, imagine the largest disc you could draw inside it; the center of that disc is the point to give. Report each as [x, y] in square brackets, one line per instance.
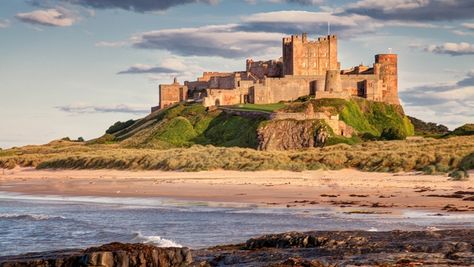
[291, 134]
[349, 248]
[312, 249]
[110, 255]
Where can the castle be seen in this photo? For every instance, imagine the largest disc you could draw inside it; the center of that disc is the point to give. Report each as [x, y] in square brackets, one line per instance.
[307, 67]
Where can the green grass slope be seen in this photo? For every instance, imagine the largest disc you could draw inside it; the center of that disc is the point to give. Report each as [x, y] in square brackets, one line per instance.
[366, 117]
[183, 126]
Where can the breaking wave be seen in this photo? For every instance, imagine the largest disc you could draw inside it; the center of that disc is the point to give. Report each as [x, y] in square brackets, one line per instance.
[155, 240]
[30, 217]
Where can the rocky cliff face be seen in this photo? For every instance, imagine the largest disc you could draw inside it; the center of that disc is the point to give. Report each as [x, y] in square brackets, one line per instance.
[111, 255]
[291, 134]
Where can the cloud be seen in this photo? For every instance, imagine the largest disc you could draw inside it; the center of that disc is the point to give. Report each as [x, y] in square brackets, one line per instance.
[121, 108]
[219, 40]
[290, 22]
[453, 49]
[111, 44]
[413, 10]
[136, 5]
[4, 23]
[469, 26]
[258, 34]
[56, 17]
[301, 2]
[451, 103]
[141, 68]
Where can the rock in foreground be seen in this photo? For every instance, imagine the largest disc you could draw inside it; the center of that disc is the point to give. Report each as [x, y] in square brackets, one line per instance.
[348, 248]
[114, 254]
[312, 249]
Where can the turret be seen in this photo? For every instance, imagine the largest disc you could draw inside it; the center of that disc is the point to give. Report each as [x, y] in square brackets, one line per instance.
[333, 81]
[387, 70]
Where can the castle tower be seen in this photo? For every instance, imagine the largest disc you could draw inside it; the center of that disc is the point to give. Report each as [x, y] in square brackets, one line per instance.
[333, 81]
[302, 57]
[387, 71]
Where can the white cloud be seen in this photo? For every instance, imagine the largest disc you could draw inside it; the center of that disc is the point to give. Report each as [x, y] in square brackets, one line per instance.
[214, 40]
[4, 23]
[301, 2]
[57, 17]
[453, 49]
[111, 44]
[121, 108]
[143, 68]
[469, 26]
[292, 21]
[450, 103]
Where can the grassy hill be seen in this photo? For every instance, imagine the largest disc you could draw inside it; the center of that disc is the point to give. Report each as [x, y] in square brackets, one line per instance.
[184, 125]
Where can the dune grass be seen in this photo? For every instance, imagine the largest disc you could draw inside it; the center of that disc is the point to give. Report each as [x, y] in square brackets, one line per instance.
[429, 155]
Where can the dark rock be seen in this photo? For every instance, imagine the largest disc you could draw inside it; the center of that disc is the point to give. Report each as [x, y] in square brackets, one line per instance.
[114, 254]
[310, 249]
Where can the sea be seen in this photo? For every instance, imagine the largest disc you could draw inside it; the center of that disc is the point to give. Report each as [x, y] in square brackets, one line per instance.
[45, 223]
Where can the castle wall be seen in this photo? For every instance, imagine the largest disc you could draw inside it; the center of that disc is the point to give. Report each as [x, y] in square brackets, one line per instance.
[206, 76]
[223, 97]
[262, 69]
[288, 88]
[223, 82]
[357, 84]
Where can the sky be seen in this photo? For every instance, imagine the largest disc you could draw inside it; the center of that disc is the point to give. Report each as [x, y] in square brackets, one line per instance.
[71, 68]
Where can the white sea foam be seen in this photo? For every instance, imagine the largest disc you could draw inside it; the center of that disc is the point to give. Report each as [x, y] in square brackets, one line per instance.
[155, 240]
[33, 217]
[373, 229]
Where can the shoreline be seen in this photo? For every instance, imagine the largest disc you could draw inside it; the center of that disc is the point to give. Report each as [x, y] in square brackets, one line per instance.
[350, 191]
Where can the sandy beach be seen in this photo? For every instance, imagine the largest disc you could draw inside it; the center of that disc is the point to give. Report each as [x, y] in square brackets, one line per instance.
[350, 190]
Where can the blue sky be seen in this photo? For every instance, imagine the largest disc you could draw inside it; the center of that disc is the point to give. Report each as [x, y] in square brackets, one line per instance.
[74, 67]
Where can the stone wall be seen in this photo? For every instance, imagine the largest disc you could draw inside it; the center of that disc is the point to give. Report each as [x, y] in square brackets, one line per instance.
[262, 69]
[206, 76]
[222, 97]
[288, 88]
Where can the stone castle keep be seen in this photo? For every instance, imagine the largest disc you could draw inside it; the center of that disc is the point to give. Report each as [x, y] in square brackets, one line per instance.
[307, 68]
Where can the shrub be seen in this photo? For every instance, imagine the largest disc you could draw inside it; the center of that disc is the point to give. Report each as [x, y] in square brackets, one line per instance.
[118, 126]
[467, 163]
[459, 175]
[430, 169]
[393, 134]
[466, 129]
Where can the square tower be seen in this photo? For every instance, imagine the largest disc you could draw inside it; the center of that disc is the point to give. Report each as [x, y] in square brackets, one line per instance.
[302, 57]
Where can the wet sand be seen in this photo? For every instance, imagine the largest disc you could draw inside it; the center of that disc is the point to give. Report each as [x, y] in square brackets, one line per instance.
[350, 190]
